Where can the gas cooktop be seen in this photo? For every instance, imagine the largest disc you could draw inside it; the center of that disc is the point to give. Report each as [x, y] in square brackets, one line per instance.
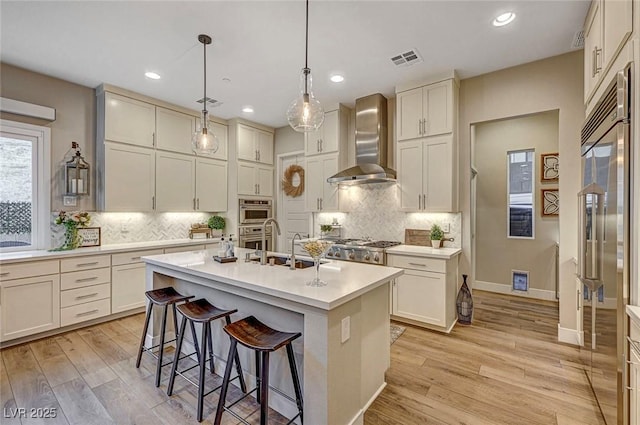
[365, 243]
[360, 250]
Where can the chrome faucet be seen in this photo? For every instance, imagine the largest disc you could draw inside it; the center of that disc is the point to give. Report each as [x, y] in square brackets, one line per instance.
[263, 253]
[292, 266]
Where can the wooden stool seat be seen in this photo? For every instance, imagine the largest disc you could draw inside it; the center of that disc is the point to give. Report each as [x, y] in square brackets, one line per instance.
[201, 311]
[254, 334]
[166, 296]
[263, 340]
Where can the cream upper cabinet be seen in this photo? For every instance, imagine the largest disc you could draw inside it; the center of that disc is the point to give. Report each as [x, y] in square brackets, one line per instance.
[174, 130]
[211, 185]
[255, 180]
[127, 180]
[425, 111]
[175, 180]
[254, 145]
[29, 306]
[128, 120]
[327, 138]
[607, 28]
[320, 195]
[426, 174]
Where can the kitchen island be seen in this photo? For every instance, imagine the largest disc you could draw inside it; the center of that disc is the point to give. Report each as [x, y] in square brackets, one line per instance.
[344, 349]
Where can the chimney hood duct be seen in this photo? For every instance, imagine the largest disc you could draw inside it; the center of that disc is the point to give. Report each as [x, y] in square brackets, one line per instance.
[371, 145]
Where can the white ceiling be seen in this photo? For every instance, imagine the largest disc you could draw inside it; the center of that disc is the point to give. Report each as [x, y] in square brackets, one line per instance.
[260, 45]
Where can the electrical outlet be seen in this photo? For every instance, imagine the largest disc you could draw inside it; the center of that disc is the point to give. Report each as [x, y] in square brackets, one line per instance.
[69, 201]
[346, 329]
[446, 227]
[124, 227]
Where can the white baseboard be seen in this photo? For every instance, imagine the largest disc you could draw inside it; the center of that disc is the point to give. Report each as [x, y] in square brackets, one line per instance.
[570, 336]
[500, 288]
[359, 418]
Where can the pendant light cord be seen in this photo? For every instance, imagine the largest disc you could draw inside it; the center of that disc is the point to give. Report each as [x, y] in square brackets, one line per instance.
[204, 98]
[306, 52]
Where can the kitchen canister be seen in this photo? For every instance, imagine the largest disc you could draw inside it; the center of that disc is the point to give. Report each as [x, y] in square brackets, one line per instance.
[464, 303]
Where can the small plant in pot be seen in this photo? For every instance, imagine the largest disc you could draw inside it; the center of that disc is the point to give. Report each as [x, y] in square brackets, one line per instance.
[325, 229]
[216, 223]
[436, 236]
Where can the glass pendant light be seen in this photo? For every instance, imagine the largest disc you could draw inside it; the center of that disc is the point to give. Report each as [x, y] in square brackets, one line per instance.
[204, 142]
[305, 113]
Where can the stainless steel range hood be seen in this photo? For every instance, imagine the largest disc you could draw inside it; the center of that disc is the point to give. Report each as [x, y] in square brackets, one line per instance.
[371, 145]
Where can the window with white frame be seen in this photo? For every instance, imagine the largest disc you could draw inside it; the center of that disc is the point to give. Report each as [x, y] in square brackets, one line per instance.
[24, 193]
[520, 199]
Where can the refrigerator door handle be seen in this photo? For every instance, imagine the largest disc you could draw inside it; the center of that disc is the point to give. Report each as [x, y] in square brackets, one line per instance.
[591, 235]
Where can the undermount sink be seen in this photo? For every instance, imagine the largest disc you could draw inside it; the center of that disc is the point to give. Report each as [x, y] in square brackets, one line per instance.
[282, 261]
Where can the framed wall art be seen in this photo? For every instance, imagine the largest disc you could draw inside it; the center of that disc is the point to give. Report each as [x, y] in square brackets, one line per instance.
[550, 205]
[550, 171]
[89, 236]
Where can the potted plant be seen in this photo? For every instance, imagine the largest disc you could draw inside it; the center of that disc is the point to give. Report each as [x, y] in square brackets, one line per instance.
[216, 223]
[436, 236]
[324, 229]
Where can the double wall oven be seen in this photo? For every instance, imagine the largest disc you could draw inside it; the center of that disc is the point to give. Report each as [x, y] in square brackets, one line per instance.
[252, 213]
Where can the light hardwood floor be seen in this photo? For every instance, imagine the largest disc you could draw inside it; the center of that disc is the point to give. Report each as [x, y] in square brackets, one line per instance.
[504, 369]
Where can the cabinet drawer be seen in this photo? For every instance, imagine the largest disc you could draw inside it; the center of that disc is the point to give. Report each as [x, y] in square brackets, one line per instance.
[29, 269]
[82, 312]
[418, 263]
[133, 257]
[84, 295]
[84, 278]
[84, 263]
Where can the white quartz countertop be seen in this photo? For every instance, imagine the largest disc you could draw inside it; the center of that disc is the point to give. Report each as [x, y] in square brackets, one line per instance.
[424, 251]
[633, 311]
[345, 280]
[20, 256]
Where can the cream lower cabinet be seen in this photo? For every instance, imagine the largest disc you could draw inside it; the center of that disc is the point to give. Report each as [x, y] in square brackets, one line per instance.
[29, 306]
[427, 174]
[85, 289]
[128, 278]
[126, 178]
[255, 179]
[320, 195]
[425, 294]
[634, 386]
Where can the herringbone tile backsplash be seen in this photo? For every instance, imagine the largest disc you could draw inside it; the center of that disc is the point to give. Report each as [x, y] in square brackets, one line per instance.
[136, 227]
[374, 212]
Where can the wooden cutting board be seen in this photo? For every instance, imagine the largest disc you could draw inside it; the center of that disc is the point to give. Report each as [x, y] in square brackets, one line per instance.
[417, 237]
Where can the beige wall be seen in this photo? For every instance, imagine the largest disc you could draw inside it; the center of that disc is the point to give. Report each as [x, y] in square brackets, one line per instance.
[288, 140]
[549, 84]
[498, 254]
[75, 121]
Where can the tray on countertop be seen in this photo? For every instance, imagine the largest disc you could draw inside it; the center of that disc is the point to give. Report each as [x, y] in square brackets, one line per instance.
[418, 237]
[225, 259]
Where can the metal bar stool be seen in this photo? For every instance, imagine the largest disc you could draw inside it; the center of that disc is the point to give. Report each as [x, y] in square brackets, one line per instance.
[162, 297]
[203, 312]
[257, 336]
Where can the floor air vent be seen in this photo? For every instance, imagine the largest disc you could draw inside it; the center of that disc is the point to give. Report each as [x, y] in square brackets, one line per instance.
[407, 58]
[210, 102]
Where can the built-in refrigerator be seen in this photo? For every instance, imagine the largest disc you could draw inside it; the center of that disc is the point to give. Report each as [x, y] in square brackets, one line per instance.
[603, 263]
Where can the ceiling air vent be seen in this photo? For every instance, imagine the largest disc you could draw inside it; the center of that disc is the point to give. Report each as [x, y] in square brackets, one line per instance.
[210, 102]
[578, 40]
[407, 58]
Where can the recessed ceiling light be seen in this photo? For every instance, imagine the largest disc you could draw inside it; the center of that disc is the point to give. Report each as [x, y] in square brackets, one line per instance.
[248, 109]
[337, 78]
[152, 75]
[504, 19]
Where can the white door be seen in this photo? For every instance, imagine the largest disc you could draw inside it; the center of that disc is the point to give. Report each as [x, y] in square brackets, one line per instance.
[175, 182]
[129, 178]
[410, 175]
[409, 112]
[211, 185]
[291, 211]
[313, 186]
